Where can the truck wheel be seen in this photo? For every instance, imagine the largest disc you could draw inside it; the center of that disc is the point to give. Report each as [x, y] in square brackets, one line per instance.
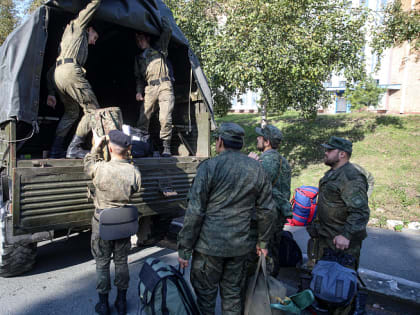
[16, 258]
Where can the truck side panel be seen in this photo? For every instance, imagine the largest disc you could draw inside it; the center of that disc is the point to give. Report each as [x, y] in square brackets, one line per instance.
[57, 197]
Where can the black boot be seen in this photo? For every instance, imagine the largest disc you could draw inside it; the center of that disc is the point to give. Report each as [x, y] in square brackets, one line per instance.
[57, 149]
[121, 302]
[102, 307]
[166, 148]
[75, 151]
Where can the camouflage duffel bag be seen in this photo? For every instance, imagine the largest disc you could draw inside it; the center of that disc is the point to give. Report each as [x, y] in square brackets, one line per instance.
[105, 120]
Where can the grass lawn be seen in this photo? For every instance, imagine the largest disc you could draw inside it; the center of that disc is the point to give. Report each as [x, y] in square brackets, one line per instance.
[388, 146]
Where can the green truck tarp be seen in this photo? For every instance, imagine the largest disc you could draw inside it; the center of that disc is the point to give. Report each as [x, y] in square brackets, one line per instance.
[23, 54]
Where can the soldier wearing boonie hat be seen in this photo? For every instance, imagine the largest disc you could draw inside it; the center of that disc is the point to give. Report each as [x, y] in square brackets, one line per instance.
[278, 172]
[115, 183]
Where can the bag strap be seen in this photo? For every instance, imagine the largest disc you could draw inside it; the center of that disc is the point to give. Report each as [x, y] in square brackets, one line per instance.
[263, 266]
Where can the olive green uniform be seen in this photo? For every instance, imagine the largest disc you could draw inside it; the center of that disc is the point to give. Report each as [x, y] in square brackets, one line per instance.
[217, 230]
[342, 210]
[153, 80]
[115, 182]
[279, 173]
[68, 78]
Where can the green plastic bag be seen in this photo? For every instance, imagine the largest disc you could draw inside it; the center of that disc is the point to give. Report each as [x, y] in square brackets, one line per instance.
[296, 303]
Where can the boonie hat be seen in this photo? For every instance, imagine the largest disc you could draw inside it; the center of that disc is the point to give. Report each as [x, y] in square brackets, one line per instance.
[119, 138]
[271, 133]
[338, 143]
[231, 132]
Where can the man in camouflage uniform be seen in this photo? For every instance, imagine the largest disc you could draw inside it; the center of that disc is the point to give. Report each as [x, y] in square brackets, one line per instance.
[154, 83]
[343, 211]
[279, 173]
[216, 229]
[115, 182]
[68, 78]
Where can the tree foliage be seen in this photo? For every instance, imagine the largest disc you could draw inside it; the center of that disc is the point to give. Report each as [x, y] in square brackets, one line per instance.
[397, 26]
[8, 20]
[34, 4]
[283, 49]
[364, 94]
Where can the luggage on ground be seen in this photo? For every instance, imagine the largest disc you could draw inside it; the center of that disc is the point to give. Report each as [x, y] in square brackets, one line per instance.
[332, 282]
[289, 253]
[304, 205]
[163, 290]
[262, 291]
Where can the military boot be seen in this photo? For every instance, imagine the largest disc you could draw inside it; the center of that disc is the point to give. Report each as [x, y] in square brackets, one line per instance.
[166, 148]
[57, 149]
[75, 150]
[121, 302]
[102, 307]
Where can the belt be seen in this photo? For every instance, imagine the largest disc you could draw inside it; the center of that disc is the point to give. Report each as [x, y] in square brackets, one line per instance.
[158, 81]
[65, 60]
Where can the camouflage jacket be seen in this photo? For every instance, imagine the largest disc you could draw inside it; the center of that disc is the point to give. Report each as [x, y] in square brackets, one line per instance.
[115, 181]
[343, 204]
[224, 193]
[74, 43]
[151, 64]
[279, 174]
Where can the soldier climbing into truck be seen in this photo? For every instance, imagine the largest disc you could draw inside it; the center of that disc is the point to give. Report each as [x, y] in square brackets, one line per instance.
[67, 77]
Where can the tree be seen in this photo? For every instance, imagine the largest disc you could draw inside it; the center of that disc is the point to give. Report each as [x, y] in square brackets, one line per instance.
[283, 49]
[364, 94]
[397, 27]
[34, 5]
[8, 20]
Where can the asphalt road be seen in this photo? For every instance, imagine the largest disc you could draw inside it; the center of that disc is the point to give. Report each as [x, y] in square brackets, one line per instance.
[63, 281]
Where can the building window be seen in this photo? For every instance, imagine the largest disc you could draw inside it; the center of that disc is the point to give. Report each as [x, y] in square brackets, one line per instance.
[327, 84]
[342, 84]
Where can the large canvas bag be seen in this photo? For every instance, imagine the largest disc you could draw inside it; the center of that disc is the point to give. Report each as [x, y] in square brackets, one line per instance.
[262, 291]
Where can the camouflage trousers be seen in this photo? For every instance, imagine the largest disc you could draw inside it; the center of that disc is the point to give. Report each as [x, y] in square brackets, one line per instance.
[354, 250]
[75, 92]
[158, 96]
[208, 273]
[102, 251]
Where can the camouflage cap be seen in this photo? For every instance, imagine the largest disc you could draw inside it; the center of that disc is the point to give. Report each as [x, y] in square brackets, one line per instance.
[271, 133]
[231, 132]
[338, 143]
[119, 138]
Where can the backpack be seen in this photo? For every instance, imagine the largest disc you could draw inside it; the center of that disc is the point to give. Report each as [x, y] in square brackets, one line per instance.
[141, 144]
[332, 282]
[163, 290]
[304, 205]
[289, 251]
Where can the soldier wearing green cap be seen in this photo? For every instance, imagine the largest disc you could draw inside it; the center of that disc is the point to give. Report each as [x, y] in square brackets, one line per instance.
[216, 230]
[115, 183]
[343, 210]
[279, 173]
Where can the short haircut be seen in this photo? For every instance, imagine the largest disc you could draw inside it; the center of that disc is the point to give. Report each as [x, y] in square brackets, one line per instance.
[274, 146]
[118, 150]
[347, 153]
[232, 144]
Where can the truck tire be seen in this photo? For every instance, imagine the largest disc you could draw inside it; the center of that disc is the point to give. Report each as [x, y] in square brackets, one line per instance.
[16, 258]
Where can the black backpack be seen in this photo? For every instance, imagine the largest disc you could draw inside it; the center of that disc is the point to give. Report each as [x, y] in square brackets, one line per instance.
[163, 290]
[285, 252]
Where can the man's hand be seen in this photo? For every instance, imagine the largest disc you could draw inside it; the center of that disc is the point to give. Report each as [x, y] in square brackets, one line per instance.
[139, 97]
[263, 251]
[341, 242]
[99, 143]
[254, 156]
[182, 262]
[51, 101]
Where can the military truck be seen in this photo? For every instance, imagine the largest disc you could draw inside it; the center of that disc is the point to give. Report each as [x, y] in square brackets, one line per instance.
[45, 198]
